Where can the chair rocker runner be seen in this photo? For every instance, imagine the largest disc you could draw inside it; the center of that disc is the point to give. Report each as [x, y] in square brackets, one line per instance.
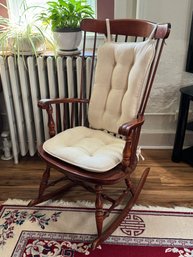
[98, 143]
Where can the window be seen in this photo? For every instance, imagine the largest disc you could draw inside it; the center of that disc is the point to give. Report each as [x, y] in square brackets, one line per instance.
[102, 8]
[92, 3]
[43, 2]
[14, 6]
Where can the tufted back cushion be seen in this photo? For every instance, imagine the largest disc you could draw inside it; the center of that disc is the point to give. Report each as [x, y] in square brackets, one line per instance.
[120, 75]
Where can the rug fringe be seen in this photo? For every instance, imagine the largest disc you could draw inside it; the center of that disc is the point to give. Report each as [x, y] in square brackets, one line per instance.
[88, 204]
[52, 203]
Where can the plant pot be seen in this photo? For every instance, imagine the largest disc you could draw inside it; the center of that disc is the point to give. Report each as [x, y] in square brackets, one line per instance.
[23, 44]
[68, 39]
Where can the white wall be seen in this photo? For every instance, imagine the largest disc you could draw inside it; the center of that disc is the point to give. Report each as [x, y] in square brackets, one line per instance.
[162, 110]
[171, 74]
[159, 130]
[125, 9]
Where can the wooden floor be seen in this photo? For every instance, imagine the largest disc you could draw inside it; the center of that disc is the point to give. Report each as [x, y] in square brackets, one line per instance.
[168, 184]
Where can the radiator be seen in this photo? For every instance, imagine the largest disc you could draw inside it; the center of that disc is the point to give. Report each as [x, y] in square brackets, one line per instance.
[25, 80]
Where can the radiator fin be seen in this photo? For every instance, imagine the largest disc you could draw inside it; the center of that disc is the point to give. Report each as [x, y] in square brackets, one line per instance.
[6, 84]
[27, 79]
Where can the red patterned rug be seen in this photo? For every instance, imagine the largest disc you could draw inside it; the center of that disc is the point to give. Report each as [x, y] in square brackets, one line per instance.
[66, 229]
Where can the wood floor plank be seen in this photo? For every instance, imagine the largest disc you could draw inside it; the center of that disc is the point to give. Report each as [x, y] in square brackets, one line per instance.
[168, 183]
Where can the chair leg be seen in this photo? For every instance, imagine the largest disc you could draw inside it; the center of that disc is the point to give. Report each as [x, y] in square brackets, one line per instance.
[42, 187]
[100, 239]
[99, 213]
[44, 184]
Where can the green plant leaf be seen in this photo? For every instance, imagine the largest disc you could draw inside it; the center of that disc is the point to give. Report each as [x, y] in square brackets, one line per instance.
[32, 31]
[69, 13]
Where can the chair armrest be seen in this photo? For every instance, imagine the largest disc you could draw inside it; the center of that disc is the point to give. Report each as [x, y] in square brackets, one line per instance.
[44, 103]
[127, 127]
[54, 125]
[131, 132]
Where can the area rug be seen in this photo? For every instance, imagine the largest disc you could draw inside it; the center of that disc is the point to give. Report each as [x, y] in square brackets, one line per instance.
[66, 229]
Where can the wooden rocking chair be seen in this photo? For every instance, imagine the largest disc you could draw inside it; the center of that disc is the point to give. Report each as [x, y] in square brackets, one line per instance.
[100, 148]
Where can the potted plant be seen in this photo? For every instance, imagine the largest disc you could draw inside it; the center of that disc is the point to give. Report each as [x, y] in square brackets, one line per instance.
[64, 17]
[24, 35]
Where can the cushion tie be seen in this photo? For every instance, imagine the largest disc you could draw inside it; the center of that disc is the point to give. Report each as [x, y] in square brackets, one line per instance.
[151, 36]
[108, 30]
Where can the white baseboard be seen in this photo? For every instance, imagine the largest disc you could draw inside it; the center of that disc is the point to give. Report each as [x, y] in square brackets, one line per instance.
[159, 131]
[162, 140]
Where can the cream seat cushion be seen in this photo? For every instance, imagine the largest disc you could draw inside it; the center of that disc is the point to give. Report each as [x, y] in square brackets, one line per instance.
[90, 149]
